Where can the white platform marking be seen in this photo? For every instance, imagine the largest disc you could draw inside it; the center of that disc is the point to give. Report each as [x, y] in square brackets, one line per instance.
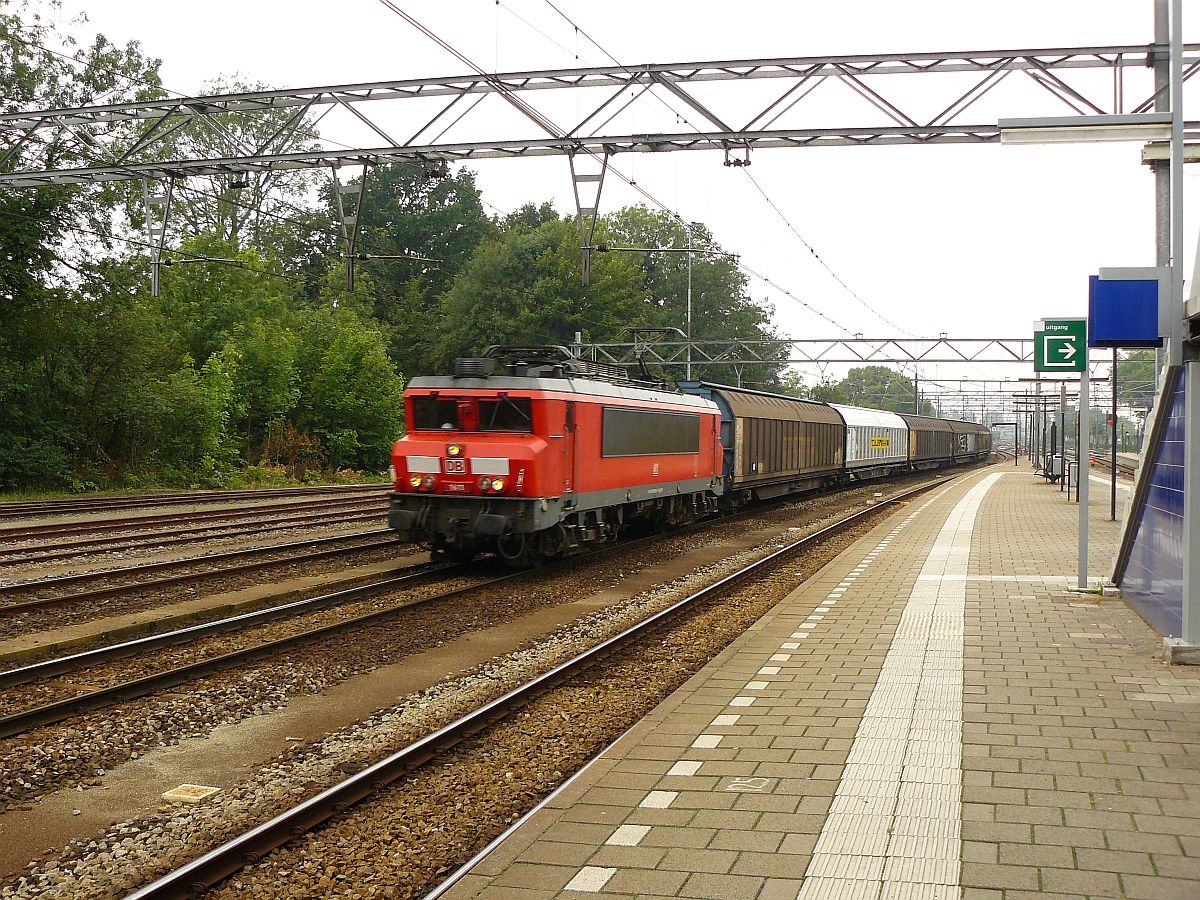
[904, 770]
[590, 879]
[659, 799]
[628, 835]
[685, 767]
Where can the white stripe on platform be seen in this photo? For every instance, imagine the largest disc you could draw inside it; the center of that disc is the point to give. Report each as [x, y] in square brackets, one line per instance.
[1107, 482]
[903, 776]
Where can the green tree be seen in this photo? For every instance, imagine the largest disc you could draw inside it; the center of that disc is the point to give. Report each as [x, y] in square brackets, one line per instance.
[824, 390]
[42, 248]
[352, 396]
[878, 387]
[524, 287]
[418, 225]
[1137, 379]
[182, 421]
[212, 289]
[722, 308]
[266, 380]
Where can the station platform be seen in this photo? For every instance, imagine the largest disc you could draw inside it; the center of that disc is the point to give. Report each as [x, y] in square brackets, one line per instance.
[934, 714]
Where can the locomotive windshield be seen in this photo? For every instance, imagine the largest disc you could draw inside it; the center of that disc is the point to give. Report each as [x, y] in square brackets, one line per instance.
[506, 414]
[513, 414]
[434, 414]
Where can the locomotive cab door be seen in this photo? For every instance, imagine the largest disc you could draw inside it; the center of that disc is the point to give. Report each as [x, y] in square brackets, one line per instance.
[569, 431]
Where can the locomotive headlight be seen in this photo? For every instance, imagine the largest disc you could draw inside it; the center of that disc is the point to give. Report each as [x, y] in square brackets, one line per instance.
[454, 450]
[414, 481]
[429, 482]
[485, 483]
[498, 484]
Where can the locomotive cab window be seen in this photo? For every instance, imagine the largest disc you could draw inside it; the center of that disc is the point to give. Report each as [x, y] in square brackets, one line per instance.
[638, 432]
[512, 414]
[434, 414]
[506, 414]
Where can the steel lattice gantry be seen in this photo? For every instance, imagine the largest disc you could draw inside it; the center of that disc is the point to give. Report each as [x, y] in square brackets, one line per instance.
[133, 140]
[653, 349]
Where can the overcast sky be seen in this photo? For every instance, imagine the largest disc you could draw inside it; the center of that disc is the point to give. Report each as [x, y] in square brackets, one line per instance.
[975, 241]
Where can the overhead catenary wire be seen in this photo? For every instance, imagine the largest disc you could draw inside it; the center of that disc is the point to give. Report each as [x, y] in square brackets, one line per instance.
[683, 116]
[536, 116]
[838, 278]
[556, 130]
[745, 171]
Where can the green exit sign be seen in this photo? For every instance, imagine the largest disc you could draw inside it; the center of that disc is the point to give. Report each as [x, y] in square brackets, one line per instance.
[1060, 345]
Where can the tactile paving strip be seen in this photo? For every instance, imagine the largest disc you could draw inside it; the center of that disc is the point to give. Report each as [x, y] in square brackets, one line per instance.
[894, 827]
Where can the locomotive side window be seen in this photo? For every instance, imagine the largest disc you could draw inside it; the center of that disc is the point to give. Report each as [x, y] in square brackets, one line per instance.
[434, 414]
[506, 414]
[638, 432]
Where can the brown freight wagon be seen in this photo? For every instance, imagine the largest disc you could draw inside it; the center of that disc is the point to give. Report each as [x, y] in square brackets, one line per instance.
[930, 441]
[774, 444]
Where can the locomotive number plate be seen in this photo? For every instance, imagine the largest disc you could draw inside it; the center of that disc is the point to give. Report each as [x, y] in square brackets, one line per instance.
[456, 467]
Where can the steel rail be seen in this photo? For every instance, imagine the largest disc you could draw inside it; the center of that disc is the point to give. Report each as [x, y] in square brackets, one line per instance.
[156, 539]
[61, 665]
[139, 687]
[132, 523]
[42, 602]
[85, 504]
[204, 872]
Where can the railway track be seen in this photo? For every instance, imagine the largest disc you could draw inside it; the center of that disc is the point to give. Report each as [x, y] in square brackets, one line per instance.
[378, 538]
[155, 540]
[21, 533]
[251, 846]
[76, 505]
[61, 709]
[1104, 461]
[48, 714]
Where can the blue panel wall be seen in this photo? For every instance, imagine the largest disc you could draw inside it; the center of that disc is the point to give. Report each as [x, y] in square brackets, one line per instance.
[1122, 313]
[1153, 580]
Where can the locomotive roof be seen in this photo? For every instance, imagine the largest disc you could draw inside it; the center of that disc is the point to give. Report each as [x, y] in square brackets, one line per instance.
[589, 386]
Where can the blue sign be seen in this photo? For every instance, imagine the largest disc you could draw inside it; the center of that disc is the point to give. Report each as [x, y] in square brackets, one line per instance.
[1122, 313]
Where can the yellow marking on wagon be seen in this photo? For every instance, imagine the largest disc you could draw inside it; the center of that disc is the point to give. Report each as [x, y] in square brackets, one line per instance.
[881, 443]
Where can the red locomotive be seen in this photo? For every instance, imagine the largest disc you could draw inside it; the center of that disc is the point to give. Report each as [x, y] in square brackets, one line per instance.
[533, 455]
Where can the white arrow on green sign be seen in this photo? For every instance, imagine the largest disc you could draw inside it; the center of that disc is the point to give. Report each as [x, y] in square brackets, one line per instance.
[1060, 345]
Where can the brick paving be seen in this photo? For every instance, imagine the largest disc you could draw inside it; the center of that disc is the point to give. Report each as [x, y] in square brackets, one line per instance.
[1079, 749]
